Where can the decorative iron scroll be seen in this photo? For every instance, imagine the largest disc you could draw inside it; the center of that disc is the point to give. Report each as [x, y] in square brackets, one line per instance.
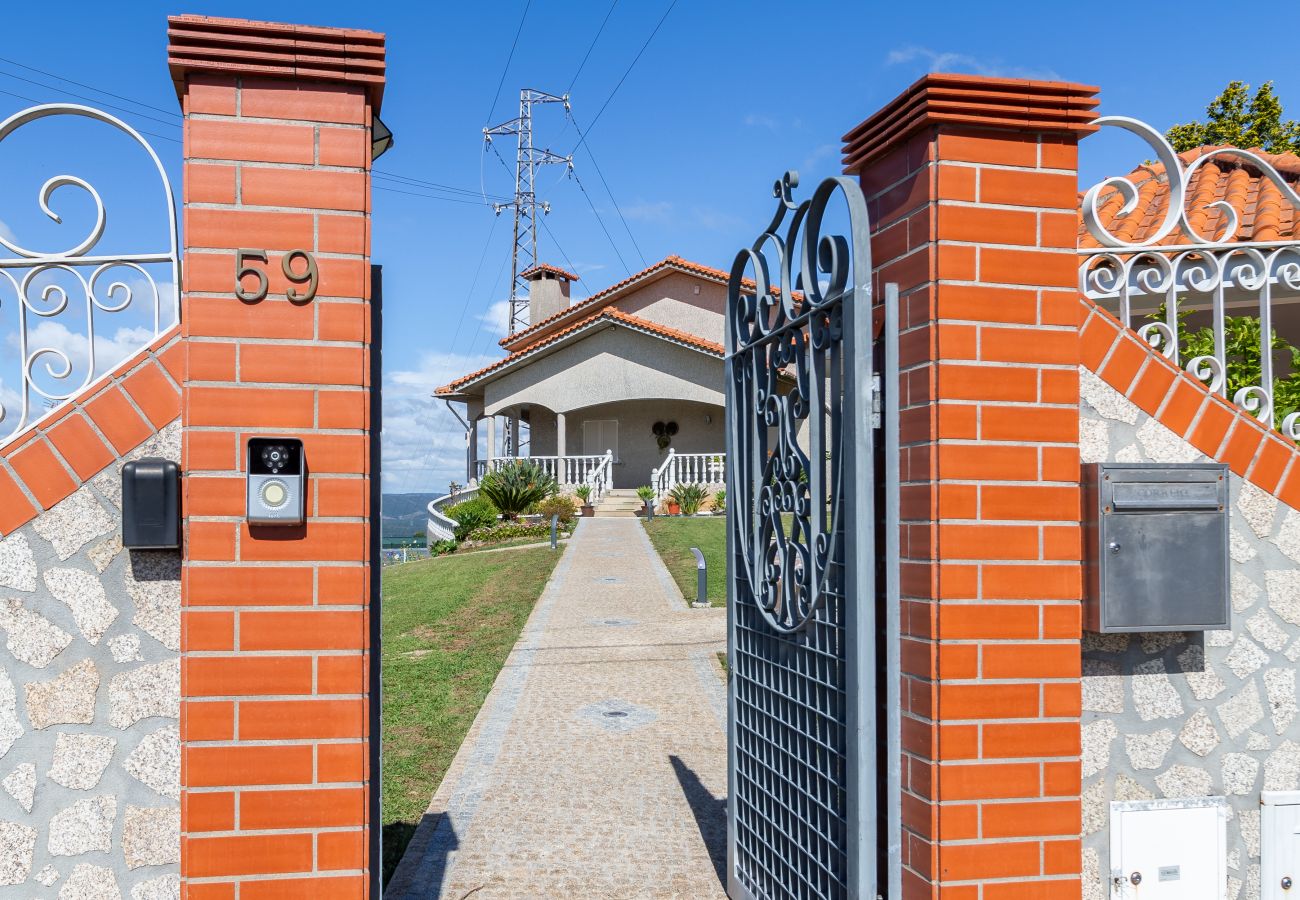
[786, 345]
[106, 283]
[1182, 269]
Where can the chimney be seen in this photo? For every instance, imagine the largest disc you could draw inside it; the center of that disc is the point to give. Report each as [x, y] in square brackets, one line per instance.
[548, 291]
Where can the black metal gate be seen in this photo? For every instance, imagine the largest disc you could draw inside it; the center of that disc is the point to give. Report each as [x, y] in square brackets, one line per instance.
[806, 638]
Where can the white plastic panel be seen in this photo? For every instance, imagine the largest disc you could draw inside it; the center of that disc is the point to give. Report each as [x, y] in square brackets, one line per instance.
[1169, 850]
[1280, 846]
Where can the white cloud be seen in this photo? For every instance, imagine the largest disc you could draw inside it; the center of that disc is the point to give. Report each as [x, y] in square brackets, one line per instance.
[758, 120]
[7, 233]
[497, 319]
[818, 154]
[659, 211]
[423, 443]
[939, 61]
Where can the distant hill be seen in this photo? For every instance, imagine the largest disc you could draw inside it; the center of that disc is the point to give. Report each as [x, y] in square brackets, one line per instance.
[406, 514]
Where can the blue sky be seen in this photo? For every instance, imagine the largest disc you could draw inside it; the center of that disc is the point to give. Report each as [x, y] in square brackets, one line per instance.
[724, 98]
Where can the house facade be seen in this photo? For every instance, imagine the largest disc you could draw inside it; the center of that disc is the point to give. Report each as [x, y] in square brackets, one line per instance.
[621, 389]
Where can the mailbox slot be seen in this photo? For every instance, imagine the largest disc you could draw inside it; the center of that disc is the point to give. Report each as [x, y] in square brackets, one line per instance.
[1156, 547]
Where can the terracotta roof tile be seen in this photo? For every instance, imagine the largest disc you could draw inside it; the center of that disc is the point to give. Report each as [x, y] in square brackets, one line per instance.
[523, 339]
[547, 267]
[1259, 204]
[612, 315]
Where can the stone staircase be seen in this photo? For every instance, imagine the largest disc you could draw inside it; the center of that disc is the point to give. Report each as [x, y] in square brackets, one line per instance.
[621, 503]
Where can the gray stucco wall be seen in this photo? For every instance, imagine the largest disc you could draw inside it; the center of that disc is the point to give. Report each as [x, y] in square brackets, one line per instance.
[610, 365]
[673, 301]
[1197, 714]
[90, 703]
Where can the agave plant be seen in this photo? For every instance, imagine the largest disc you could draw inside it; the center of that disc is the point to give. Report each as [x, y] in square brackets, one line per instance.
[583, 492]
[646, 493]
[690, 497]
[515, 487]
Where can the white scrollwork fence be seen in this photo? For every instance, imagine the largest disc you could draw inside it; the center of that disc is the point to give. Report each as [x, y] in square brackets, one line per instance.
[36, 286]
[1182, 269]
[687, 468]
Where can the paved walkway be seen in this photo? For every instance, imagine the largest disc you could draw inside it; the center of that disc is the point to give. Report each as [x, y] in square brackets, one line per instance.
[597, 766]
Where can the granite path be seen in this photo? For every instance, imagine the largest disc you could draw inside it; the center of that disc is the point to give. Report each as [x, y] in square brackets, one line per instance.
[597, 766]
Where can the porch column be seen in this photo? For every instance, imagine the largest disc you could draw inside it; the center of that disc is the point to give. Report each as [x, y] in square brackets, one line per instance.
[560, 449]
[514, 436]
[471, 451]
[491, 439]
[972, 188]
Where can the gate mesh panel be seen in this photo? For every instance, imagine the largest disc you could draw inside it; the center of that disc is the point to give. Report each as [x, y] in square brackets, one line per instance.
[791, 746]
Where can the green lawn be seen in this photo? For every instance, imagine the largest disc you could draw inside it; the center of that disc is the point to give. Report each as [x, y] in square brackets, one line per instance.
[674, 537]
[448, 625]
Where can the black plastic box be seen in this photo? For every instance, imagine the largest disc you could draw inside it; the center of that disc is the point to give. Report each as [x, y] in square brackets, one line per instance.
[151, 504]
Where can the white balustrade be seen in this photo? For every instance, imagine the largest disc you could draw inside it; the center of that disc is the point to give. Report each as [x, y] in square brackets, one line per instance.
[442, 527]
[688, 468]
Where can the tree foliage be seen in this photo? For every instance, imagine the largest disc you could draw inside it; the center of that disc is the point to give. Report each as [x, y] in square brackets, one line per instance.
[1238, 119]
[1241, 351]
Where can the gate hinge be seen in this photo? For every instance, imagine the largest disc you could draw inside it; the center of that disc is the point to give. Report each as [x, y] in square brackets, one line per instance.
[877, 402]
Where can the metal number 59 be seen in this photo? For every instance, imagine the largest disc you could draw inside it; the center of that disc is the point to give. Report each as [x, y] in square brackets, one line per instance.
[310, 275]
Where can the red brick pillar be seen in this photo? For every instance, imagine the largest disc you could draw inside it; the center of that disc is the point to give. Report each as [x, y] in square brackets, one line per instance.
[276, 632]
[971, 184]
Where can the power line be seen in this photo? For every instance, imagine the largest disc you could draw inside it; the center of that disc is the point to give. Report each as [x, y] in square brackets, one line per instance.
[617, 209]
[572, 267]
[50, 87]
[379, 187]
[167, 112]
[518, 31]
[474, 284]
[141, 130]
[582, 136]
[592, 46]
[600, 220]
[407, 181]
[379, 173]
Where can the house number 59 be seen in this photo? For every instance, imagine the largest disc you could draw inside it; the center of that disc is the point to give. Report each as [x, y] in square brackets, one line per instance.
[309, 275]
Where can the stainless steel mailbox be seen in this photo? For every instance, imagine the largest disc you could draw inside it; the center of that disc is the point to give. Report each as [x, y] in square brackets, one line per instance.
[1156, 547]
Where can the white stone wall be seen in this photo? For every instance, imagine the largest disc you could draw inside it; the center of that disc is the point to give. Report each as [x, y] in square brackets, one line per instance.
[90, 703]
[1196, 714]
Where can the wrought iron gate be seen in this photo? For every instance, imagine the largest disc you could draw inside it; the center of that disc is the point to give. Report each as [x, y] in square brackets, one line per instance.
[807, 804]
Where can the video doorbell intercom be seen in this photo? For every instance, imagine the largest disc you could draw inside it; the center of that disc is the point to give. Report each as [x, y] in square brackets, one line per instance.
[277, 475]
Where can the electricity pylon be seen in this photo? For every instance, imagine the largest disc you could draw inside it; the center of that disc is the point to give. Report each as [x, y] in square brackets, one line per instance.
[524, 254]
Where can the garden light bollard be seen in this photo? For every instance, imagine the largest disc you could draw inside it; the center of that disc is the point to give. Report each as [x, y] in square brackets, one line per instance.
[701, 579]
[554, 525]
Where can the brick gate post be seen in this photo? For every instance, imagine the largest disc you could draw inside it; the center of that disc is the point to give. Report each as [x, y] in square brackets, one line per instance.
[972, 187]
[278, 786]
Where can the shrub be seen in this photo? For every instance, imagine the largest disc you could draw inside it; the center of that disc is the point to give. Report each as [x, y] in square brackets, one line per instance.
[515, 487]
[441, 548]
[584, 493]
[646, 493]
[720, 501]
[508, 531]
[477, 513]
[690, 497]
[559, 505]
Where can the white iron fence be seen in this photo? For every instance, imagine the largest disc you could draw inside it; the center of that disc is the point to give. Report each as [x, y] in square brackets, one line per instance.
[1151, 283]
[74, 292]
